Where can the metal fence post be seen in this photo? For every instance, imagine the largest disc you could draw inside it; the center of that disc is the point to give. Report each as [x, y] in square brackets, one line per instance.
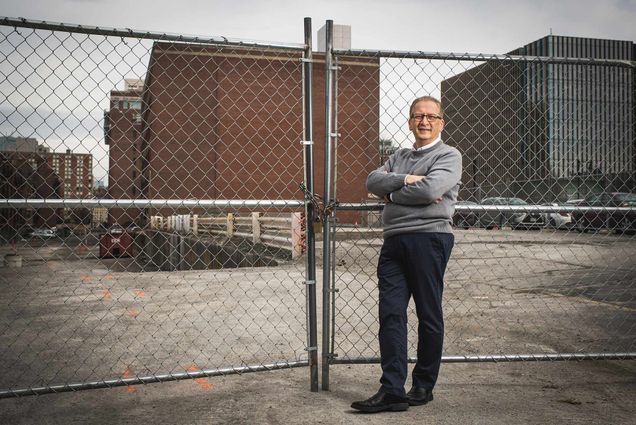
[326, 241]
[312, 325]
[256, 227]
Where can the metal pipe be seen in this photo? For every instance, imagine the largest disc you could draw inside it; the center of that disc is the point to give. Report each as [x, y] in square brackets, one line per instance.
[153, 203]
[496, 358]
[336, 139]
[291, 203]
[480, 57]
[310, 263]
[326, 239]
[107, 31]
[149, 379]
[350, 206]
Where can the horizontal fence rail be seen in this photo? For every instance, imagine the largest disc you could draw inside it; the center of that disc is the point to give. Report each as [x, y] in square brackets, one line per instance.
[233, 204]
[510, 208]
[137, 34]
[150, 203]
[480, 57]
[195, 374]
[505, 358]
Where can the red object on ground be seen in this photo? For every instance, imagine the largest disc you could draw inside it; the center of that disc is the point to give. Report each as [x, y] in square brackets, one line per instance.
[116, 245]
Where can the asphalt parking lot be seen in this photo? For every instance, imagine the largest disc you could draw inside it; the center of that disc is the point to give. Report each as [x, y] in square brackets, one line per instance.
[69, 316]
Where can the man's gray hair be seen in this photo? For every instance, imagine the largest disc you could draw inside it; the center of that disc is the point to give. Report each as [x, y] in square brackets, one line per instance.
[430, 99]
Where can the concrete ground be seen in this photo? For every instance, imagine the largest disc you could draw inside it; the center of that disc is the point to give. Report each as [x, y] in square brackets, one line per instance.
[69, 317]
[587, 392]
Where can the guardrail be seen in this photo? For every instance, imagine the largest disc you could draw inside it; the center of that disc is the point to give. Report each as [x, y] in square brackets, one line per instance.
[283, 231]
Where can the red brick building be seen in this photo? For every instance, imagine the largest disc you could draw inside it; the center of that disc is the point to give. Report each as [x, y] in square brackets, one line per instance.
[122, 129]
[226, 123]
[25, 175]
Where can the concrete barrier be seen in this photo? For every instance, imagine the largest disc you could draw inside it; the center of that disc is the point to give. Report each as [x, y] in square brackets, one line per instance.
[171, 251]
[13, 261]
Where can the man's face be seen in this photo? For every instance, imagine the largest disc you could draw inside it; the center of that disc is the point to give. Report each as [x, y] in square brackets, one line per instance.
[425, 130]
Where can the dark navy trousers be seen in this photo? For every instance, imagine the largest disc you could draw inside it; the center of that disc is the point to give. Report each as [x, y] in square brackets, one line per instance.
[412, 265]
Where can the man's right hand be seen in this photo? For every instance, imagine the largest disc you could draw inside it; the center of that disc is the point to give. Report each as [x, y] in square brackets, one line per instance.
[411, 179]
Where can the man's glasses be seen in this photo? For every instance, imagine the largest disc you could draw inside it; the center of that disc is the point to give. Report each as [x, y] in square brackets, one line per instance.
[430, 117]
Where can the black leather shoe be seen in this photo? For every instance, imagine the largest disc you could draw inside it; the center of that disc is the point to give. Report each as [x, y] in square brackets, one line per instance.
[418, 396]
[381, 402]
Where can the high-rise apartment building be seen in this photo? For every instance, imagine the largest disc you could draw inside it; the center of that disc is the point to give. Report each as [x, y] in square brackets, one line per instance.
[30, 170]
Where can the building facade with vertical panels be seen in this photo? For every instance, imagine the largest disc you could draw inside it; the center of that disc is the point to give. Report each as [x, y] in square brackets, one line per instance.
[546, 129]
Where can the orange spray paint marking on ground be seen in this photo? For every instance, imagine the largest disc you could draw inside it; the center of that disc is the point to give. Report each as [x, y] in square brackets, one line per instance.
[203, 383]
[108, 277]
[133, 313]
[128, 373]
[107, 295]
[86, 279]
[139, 293]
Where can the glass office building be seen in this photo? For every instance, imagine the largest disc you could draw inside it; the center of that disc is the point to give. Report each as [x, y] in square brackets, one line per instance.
[558, 125]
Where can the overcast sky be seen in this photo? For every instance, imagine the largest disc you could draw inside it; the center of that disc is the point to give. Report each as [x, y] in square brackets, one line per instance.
[64, 108]
[485, 26]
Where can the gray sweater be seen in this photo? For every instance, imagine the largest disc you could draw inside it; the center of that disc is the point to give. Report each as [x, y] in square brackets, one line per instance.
[414, 208]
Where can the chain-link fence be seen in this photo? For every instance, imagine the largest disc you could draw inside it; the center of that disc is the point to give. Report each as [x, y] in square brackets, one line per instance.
[158, 203]
[544, 264]
[152, 227]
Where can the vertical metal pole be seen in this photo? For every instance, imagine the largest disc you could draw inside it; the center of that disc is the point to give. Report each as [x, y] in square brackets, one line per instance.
[326, 231]
[310, 264]
[334, 169]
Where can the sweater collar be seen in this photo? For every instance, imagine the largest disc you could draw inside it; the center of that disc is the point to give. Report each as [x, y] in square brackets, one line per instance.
[429, 146]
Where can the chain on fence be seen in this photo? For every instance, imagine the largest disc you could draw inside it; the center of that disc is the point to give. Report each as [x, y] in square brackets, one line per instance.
[544, 264]
[168, 240]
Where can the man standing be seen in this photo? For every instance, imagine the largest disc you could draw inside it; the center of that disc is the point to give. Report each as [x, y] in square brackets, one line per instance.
[419, 186]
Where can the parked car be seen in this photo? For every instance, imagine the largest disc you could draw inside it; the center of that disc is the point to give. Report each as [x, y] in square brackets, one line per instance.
[116, 229]
[43, 233]
[516, 220]
[618, 221]
[465, 218]
[559, 220]
[133, 228]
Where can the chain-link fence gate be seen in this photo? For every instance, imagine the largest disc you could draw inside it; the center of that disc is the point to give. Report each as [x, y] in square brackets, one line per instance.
[544, 265]
[190, 263]
[153, 224]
